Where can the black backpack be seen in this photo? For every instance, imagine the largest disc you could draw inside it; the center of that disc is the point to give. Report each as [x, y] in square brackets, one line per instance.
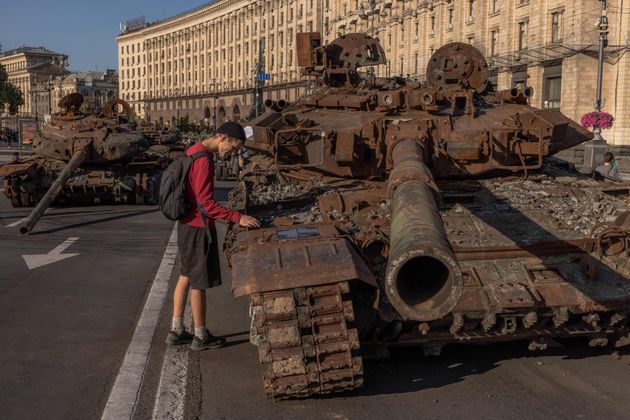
[173, 201]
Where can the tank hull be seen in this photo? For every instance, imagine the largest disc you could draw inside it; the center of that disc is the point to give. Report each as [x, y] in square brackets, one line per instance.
[89, 184]
[437, 209]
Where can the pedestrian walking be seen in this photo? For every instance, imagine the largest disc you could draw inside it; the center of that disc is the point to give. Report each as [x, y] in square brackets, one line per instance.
[197, 237]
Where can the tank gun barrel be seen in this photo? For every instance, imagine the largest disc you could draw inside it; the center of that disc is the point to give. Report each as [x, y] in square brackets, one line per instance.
[77, 159]
[423, 280]
[282, 104]
[270, 103]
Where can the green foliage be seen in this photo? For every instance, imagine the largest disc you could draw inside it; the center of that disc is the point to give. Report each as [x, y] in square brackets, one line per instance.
[183, 124]
[9, 94]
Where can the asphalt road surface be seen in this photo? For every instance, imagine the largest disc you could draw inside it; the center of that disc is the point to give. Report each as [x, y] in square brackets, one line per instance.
[67, 326]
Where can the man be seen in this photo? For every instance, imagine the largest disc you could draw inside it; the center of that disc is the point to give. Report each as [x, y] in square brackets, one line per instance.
[197, 238]
[609, 168]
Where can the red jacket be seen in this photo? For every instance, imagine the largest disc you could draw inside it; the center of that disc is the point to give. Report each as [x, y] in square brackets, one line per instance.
[200, 190]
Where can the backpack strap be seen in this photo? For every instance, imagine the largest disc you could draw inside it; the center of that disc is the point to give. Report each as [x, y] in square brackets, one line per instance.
[204, 215]
[197, 155]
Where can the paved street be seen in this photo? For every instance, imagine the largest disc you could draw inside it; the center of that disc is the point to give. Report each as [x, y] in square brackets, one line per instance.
[66, 327]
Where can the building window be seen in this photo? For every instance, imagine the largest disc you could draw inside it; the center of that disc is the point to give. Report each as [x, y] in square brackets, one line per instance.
[552, 92]
[471, 10]
[556, 26]
[494, 42]
[495, 6]
[522, 35]
[450, 19]
[432, 25]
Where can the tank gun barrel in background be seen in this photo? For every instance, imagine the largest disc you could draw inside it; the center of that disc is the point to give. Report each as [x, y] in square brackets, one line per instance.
[77, 159]
[282, 104]
[271, 104]
[423, 279]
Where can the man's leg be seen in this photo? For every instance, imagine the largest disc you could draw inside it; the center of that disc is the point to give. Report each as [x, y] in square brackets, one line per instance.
[203, 339]
[198, 305]
[179, 303]
[178, 334]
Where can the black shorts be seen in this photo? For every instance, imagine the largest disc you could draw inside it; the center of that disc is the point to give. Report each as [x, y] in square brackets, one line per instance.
[199, 256]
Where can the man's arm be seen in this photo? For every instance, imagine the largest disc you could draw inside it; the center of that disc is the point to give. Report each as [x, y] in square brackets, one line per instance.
[202, 185]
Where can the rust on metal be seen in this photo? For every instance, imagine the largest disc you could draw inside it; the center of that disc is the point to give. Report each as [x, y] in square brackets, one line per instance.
[83, 158]
[433, 211]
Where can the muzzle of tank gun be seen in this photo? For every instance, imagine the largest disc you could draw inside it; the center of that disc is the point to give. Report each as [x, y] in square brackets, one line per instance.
[423, 280]
[282, 104]
[271, 104]
[77, 159]
[516, 95]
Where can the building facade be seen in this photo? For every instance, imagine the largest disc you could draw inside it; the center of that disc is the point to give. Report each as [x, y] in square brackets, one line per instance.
[201, 63]
[30, 66]
[96, 88]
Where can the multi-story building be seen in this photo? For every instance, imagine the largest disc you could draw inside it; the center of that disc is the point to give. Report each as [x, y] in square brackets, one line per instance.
[29, 66]
[96, 88]
[200, 63]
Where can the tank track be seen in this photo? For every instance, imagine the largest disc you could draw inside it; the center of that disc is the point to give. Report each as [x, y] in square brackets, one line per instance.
[306, 340]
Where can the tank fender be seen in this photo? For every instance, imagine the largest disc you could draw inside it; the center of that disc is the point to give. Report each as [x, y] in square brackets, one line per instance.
[290, 257]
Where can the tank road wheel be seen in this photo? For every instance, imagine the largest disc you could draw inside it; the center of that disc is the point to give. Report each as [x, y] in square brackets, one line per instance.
[306, 340]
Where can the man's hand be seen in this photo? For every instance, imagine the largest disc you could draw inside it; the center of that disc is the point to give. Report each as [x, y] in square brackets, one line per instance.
[249, 222]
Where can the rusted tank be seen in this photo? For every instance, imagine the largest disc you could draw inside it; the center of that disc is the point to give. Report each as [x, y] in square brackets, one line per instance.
[89, 159]
[405, 213]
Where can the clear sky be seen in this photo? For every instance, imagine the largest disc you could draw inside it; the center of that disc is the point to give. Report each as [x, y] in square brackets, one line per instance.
[84, 30]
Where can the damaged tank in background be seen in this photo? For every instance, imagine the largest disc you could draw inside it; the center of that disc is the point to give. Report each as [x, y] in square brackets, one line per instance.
[404, 213]
[89, 159]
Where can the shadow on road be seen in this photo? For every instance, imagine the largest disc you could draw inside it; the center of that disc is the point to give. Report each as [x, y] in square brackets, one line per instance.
[96, 221]
[407, 370]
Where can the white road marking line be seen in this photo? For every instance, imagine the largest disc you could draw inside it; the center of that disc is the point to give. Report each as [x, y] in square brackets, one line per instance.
[171, 392]
[38, 260]
[125, 392]
[16, 223]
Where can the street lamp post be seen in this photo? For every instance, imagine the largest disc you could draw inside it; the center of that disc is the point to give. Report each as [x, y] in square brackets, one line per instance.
[594, 150]
[49, 94]
[370, 10]
[214, 104]
[603, 42]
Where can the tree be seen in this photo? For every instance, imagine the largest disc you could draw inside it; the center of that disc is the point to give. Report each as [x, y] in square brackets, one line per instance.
[9, 94]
